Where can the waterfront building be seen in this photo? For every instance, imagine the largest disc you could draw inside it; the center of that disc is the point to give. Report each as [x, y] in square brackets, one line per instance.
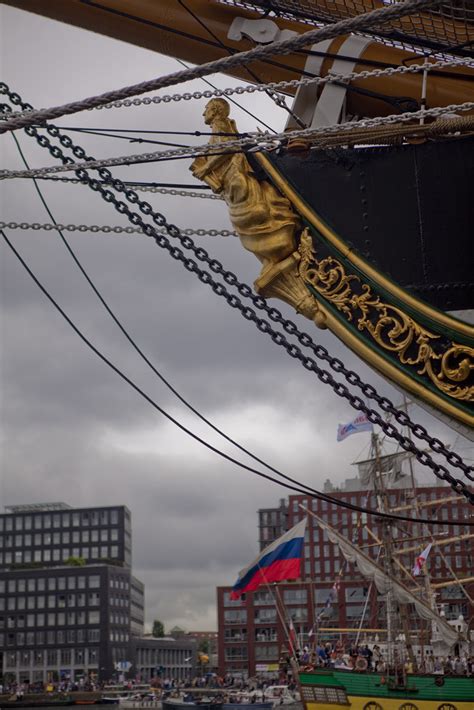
[252, 635]
[165, 657]
[69, 603]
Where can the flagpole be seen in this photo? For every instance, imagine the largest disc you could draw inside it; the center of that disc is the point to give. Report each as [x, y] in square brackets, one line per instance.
[278, 606]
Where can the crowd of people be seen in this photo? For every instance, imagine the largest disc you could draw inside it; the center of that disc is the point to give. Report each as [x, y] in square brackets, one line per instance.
[363, 658]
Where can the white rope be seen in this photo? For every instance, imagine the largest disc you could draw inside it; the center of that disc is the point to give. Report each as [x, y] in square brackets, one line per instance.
[273, 86]
[256, 141]
[109, 229]
[354, 24]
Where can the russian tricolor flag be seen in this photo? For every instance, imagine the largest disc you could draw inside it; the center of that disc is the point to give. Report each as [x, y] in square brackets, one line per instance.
[280, 560]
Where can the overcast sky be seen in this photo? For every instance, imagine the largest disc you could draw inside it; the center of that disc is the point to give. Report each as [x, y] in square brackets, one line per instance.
[72, 430]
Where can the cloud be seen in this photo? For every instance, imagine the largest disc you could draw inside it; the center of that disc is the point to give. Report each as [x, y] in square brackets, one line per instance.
[74, 431]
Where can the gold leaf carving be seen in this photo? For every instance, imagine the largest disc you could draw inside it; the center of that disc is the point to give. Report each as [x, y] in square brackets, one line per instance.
[388, 326]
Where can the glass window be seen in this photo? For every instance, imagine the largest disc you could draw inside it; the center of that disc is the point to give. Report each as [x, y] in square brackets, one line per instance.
[76, 536]
[27, 522]
[18, 540]
[114, 517]
[22, 585]
[38, 522]
[57, 520]
[114, 552]
[8, 524]
[61, 618]
[46, 555]
[51, 601]
[40, 601]
[47, 521]
[114, 534]
[81, 582]
[66, 538]
[85, 518]
[94, 536]
[40, 619]
[51, 619]
[104, 551]
[94, 617]
[94, 581]
[71, 582]
[104, 517]
[41, 584]
[66, 520]
[85, 536]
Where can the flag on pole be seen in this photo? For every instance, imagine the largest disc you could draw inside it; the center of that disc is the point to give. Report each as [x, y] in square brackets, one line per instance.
[360, 423]
[421, 560]
[280, 560]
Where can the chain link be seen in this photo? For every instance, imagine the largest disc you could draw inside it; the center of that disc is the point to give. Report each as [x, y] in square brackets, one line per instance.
[402, 418]
[278, 85]
[256, 142]
[145, 188]
[109, 229]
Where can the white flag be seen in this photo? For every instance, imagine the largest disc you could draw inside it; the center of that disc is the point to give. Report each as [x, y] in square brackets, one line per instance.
[360, 423]
[420, 561]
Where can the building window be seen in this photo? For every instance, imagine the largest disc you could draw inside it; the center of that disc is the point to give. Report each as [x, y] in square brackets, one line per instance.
[235, 616]
[94, 581]
[295, 596]
[94, 617]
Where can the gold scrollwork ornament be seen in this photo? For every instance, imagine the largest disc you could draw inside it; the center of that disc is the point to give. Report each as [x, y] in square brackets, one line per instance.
[391, 328]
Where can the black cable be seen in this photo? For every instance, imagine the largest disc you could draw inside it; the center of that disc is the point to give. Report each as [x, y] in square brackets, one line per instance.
[187, 186]
[136, 346]
[233, 101]
[104, 134]
[271, 94]
[307, 492]
[86, 129]
[132, 341]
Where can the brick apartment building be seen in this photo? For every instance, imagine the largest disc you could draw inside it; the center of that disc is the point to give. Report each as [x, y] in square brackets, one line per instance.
[251, 634]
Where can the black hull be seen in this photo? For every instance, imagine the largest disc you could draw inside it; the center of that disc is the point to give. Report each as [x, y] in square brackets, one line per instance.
[407, 210]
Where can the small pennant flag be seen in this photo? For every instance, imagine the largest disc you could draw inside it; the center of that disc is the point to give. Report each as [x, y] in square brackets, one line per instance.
[360, 423]
[421, 560]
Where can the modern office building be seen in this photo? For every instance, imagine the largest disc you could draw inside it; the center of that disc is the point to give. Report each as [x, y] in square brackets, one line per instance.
[251, 633]
[69, 604]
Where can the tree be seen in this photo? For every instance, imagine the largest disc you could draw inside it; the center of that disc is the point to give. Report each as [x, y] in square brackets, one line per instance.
[74, 561]
[158, 630]
[204, 646]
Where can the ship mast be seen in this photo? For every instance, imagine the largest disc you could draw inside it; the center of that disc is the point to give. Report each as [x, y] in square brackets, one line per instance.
[394, 610]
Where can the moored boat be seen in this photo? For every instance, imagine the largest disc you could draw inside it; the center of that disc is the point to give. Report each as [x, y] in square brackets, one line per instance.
[333, 689]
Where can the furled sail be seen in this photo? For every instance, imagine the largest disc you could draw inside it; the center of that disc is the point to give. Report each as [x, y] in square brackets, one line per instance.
[385, 583]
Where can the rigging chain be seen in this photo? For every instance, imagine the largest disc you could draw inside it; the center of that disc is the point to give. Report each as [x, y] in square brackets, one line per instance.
[278, 85]
[286, 46]
[145, 188]
[439, 470]
[250, 142]
[109, 229]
